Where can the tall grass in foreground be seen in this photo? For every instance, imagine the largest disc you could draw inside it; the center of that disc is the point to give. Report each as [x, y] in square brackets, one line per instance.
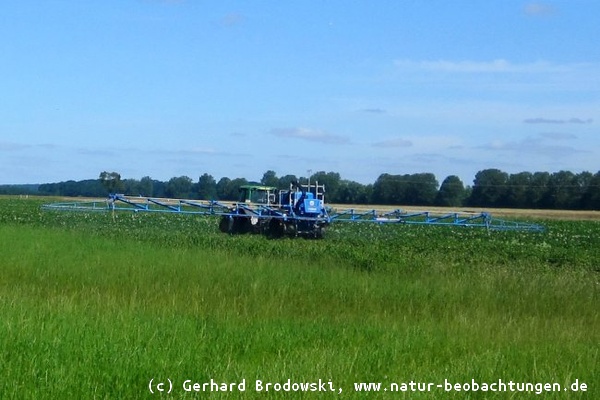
[87, 316]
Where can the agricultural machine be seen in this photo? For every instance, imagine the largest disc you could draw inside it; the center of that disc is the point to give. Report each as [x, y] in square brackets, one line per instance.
[297, 211]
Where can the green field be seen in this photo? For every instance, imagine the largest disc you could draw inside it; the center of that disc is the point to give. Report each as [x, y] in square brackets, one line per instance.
[98, 305]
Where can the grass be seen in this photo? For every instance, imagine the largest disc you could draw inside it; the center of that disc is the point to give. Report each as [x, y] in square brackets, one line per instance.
[94, 308]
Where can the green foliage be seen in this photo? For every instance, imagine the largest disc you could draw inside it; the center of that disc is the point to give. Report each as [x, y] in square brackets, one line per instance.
[207, 187]
[331, 180]
[180, 187]
[269, 178]
[94, 305]
[228, 189]
[111, 181]
[566, 244]
[409, 189]
[452, 192]
[517, 191]
[489, 188]
[285, 181]
[492, 188]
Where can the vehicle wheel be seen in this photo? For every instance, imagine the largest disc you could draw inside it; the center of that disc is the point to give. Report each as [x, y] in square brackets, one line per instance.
[320, 232]
[226, 224]
[276, 228]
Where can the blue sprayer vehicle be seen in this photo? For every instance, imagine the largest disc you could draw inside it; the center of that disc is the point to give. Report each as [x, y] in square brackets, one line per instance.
[299, 210]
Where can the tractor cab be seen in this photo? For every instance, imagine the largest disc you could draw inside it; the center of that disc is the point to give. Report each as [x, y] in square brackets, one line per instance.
[257, 194]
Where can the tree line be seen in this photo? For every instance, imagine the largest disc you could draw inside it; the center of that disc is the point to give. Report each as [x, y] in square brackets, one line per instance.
[491, 188]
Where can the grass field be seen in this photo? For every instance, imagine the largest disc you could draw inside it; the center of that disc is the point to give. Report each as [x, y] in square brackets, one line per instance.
[97, 306]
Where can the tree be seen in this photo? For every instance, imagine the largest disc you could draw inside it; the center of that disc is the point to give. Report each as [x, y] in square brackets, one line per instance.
[566, 190]
[451, 193]
[233, 188]
[591, 198]
[207, 187]
[222, 186]
[269, 179]
[179, 187]
[350, 192]
[421, 189]
[489, 188]
[284, 181]
[537, 189]
[159, 188]
[111, 181]
[146, 186]
[131, 186]
[49, 189]
[581, 182]
[516, 192]
[559, 194]
[386, 189]
[331, 180]
[228, 189]
[410, 189]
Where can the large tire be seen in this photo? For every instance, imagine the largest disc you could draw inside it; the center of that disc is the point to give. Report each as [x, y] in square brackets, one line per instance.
[320, 232]
[241, 225]
[276, 228]
[226, 224]
[234, 225]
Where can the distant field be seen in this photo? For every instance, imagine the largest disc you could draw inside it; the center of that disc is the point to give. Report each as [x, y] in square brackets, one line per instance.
[96, 306]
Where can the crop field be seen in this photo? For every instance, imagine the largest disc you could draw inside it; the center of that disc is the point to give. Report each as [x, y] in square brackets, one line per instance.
[113, 306]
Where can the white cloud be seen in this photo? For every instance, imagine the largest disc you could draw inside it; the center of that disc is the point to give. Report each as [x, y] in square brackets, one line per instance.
[374, 110]
[532, 146]
[96, 152]
[499, 76]
[183, 152]
[468, 66]
[558, 121]
[311, 135]
[558, 135]
[395, 142]
[232, 19]
[11, 146]
[539, 9]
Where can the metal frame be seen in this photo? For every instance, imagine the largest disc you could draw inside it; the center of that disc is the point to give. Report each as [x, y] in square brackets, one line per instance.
[466, 219]
[118, 202]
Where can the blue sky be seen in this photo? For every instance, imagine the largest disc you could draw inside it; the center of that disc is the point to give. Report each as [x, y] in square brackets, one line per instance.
[234, 88]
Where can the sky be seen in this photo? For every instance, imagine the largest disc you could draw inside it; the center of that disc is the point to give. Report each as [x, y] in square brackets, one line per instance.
[169, 88]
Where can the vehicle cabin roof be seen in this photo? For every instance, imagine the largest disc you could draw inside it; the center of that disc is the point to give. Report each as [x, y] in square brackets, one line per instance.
[258, 187]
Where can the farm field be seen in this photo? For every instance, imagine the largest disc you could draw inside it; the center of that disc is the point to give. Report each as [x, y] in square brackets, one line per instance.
[96, 305]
